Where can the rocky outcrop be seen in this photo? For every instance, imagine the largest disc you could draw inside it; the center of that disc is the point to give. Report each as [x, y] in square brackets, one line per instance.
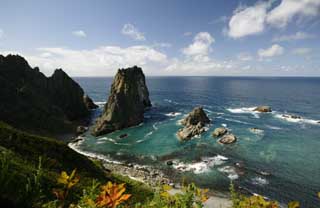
[228, 139]
[218, 132]
[129, 97]
[193, 124]
[263, 109]
[89, 103]
[36, 103]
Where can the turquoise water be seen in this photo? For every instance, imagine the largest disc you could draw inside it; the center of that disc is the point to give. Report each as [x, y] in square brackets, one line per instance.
[288, 149]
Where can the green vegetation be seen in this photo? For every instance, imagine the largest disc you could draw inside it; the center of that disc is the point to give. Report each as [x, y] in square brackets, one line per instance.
[30, 166]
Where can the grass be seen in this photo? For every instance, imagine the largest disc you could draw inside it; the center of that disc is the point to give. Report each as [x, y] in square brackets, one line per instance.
[20, 153]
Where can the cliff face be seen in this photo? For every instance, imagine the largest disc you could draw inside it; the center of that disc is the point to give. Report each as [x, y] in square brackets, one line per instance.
[31, 101]
[128, 99]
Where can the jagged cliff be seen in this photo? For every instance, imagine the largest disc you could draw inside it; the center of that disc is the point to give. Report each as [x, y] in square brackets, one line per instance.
[31, 101]
[129, 97]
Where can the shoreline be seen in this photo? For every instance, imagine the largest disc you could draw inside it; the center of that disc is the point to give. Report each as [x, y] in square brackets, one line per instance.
[150, 176]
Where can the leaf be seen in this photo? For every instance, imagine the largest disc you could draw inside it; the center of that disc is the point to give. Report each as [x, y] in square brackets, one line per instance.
[166, 187]
[294, 204]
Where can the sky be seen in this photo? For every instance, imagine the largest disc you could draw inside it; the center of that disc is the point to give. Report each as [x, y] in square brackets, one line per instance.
[165, 37]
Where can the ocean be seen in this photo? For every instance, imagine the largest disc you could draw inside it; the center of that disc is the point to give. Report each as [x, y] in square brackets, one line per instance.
[281, 161]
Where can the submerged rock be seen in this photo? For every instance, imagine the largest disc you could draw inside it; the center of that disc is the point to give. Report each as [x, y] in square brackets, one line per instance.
[129, 97]
[256, 130]
[123, 136]
[89, 103]
[291, 116]
[81, 129]
[228, 139]
[263, 109]
[194, 124]
[219, 132]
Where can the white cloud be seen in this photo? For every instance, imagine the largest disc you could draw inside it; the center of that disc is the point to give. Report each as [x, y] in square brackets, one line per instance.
[281, 15]
[295, 36]
[162, 45]
[79, 33]
[301, 51]
[244, 57]
[101, 61]
[274, 50]
[187, 34]
[133, 32]
[248, 20]
[254, 19]
[200, 46]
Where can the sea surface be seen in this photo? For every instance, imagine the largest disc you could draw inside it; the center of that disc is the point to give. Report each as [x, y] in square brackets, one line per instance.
[282, 161]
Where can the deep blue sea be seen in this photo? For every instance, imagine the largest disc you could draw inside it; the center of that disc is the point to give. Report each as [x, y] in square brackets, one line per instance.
[289, 149]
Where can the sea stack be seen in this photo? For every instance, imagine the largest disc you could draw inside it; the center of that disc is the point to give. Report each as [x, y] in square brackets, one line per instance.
[129, 97]
[193, 124]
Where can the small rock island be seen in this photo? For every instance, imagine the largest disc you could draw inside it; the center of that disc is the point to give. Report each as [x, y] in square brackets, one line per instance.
[129, 98]
[193, 124]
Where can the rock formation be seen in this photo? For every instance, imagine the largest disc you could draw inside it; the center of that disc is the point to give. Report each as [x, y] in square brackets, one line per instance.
[89, 103]
[193, 124]
[219, 132]
[129, 97]
[33, 102]
[228, 139]
[263, 109]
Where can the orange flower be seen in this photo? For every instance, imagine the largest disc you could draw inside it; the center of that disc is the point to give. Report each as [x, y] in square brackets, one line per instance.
[112, 195]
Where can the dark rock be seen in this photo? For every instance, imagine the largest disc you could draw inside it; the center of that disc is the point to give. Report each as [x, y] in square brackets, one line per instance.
[263, 109]
[219, 132]
[38, 104]
[291, 116]
[81, 129]
[123, 136]
[89, 103]
[228, 139]
[169, 162]
[129, 97]
[194, 124]
[195, 116]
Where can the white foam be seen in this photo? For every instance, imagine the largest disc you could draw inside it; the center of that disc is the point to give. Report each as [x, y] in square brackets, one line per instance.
[224, 125]
[202, 166]
[273, 127]
[76, 147]
[242, 110]
[148, 134]
[289, 118]
[100, 104]
[259, 181]
[230, 171]
[173, 114]
[235, 120]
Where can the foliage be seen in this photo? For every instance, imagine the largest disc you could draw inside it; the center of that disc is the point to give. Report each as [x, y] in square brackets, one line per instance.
[67, 181]
[112, 195]
[190, 196]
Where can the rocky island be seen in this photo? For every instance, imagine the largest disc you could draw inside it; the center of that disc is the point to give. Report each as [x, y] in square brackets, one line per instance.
[129, 98]
[38, 104]
[193, 124]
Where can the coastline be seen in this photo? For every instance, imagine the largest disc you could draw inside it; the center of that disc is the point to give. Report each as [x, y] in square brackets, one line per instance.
[150, 176]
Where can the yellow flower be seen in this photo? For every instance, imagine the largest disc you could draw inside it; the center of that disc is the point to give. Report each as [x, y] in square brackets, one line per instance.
[67, 180]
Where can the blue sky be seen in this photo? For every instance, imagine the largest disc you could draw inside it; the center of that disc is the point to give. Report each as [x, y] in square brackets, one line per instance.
[167, 37]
